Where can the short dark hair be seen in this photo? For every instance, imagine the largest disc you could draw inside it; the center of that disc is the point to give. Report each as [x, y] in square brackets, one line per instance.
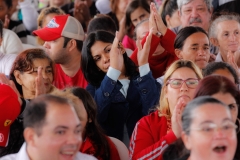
[90, 70]
[78, 42]
[184, 33]
[36, 110]
[213, 66]
[187, 116]
[8, 3]
[102, 22]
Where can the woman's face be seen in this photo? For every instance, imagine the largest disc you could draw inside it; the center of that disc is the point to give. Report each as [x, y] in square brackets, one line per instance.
[174, 20]
[196, 48]
[229, 100]
[28, 79]
[100, 53]
[173, 95]
[139, 15]
[212, 134]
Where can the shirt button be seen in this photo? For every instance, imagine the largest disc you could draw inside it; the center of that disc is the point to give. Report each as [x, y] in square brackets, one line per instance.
[144, 91]
[106, 94]
[113, 82]
[139, 79]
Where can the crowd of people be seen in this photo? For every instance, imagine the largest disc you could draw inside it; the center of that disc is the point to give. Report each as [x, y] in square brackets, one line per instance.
[119, 80]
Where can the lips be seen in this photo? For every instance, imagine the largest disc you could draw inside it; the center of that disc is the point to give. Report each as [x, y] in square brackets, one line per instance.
[220, 149]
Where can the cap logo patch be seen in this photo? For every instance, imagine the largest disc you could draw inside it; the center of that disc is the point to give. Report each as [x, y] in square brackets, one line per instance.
[52, 24]
[7, 123]
[1, 137]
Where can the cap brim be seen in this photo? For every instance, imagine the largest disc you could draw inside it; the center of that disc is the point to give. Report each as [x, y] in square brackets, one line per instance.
[4, 135]
[46, 35]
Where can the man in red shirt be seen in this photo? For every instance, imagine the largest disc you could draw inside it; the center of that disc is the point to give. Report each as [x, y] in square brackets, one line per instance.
[63, 38]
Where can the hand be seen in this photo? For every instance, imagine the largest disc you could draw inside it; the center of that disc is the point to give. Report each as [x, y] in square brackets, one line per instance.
[143, 53]
[158, 20]
[212, 58]
[116, 57]
[5, 80]
[122, 29]
[6, 22]
[176, 117]
[231, 60]
[39, 83]
[81, 12]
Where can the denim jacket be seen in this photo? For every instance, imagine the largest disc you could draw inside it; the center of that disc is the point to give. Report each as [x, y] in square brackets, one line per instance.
[114, 110]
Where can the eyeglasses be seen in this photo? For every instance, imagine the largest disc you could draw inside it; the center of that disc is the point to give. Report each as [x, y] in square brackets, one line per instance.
[227, 127]
[177, 83]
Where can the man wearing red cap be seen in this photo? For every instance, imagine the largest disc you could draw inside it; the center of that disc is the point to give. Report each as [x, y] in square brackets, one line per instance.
[63, 38]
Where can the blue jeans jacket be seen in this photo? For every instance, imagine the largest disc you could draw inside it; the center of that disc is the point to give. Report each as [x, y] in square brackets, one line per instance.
[114, 110]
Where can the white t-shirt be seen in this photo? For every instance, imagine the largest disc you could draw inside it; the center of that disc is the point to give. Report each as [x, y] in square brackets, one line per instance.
[6, 61]
[22, 155]
[11, 44]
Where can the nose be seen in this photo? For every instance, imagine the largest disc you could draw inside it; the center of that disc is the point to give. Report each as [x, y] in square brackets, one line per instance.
[74, 139]
[219, 133]
[194, 13]
[184, 87]
[44, 74]
[232, 37]
[201, 52]
[46, 45]
[105, 58]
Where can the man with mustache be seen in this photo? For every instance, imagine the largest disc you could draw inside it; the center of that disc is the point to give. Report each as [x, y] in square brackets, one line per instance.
[52, 131]
[195, 13]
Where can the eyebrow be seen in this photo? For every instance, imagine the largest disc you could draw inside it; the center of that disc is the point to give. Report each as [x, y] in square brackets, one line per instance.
[196, 44]
[107, 46]
[65, 127]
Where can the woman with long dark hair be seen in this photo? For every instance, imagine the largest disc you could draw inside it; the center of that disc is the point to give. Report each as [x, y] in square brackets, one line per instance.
[122, 93]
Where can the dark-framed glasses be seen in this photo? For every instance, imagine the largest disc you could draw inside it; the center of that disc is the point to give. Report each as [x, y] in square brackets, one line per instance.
[177, 83]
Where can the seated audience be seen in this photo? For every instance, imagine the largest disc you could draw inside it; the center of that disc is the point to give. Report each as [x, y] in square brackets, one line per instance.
[208, 135]
[63, 45]
[123, 95]
[155, 132]
[49, 136]
[94, 141]
[161, 53]
[31, 75]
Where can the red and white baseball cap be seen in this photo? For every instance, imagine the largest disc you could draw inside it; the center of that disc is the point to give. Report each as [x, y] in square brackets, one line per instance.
[61, 26]
[9, 111]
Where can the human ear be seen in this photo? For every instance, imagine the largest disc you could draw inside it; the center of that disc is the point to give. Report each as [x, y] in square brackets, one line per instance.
[178, 53]
[167, 19]
[72, 45]
[186, 140]
[18, 76]
[29, 135]
[214, 41]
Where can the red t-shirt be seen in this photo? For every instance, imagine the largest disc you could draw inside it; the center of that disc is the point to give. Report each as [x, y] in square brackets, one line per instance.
[61, 80]
[87, 148]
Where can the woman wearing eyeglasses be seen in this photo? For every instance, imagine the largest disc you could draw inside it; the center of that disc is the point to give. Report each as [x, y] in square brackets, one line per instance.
[208, 136]
[153, 133]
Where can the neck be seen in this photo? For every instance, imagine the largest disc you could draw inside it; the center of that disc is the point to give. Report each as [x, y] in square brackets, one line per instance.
[31, 153]
[73, 65]
[27, 94]
[223, 54]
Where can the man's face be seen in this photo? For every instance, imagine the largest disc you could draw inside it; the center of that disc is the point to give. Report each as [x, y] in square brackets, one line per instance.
[195, 13]
[60, 135]
[56, 51]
